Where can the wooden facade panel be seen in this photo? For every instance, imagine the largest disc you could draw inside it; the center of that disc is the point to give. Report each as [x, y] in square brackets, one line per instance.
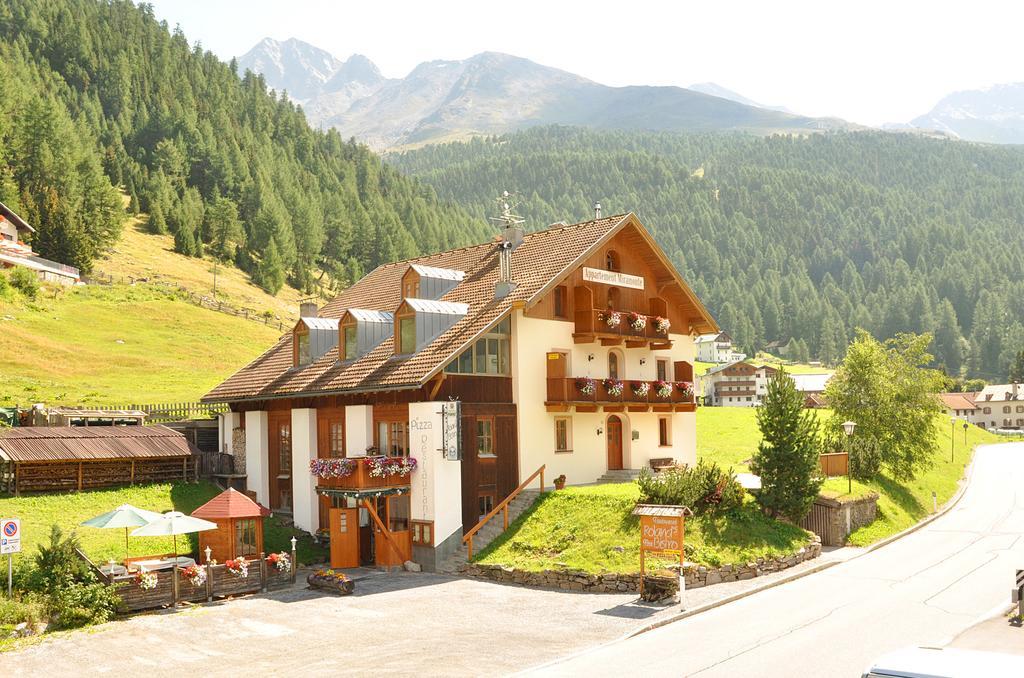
[635, 258]
[500, 472]
[475, 389]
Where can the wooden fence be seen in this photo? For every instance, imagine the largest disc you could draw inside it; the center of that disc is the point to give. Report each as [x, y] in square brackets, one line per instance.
[172, 587]
[265, 318]
[160, 413]
[834, 464]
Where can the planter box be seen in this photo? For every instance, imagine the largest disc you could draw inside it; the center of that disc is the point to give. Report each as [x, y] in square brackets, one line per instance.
[330, 584]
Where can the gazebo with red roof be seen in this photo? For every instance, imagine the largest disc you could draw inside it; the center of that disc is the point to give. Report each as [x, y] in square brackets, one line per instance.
[239, 526]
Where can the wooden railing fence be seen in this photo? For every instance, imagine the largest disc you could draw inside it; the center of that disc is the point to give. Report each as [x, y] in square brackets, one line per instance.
[503, 506]
[268, 319]
[159, 413]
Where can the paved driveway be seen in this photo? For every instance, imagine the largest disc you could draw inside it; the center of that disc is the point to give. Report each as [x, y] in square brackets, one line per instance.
[923, 589]
[401, 623]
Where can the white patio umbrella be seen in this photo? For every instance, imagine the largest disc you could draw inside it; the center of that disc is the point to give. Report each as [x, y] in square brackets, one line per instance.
[124, 516]
[173, 523]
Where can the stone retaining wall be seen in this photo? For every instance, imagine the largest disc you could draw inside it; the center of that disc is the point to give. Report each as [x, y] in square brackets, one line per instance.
[696, 576]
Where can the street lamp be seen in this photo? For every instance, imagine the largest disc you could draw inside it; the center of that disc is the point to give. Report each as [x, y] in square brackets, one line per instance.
[848, 427]
[966, 426]
[952, 430]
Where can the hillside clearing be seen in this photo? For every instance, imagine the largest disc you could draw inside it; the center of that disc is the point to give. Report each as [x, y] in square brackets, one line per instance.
[119, 344]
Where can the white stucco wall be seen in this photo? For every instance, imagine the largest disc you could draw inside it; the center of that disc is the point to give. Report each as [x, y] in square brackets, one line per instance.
[532, 338]
[306, 513]
[436, 483]
[226, 425]
[257, 455]
[358, 429]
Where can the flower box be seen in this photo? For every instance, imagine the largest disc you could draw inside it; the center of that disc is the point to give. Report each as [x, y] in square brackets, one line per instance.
[331, 581]
[371, 472]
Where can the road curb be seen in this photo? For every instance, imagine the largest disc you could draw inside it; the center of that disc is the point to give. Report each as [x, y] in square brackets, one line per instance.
[946, 508]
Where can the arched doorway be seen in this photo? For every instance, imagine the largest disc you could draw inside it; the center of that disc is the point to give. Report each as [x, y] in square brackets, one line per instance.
[614, 438]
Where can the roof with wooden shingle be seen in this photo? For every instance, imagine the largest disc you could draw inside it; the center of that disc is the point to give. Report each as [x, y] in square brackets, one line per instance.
[230, 504]
[80, 443]
[542, 260]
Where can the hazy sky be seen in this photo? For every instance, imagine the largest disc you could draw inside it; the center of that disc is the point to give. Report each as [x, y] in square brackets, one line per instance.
[865, 61]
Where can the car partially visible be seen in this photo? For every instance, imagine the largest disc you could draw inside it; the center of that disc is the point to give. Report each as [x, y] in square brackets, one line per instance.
[938, 662]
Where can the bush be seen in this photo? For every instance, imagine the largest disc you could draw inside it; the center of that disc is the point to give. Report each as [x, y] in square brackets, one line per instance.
[24, 608]
[704, 489]
[25, 281]
[58, 564]
[78, 604]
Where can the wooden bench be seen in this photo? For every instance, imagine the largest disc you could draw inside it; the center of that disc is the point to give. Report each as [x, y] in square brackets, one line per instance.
[661, 463]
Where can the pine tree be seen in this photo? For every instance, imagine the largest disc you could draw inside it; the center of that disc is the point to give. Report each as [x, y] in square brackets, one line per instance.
[1017, 368]
[156, 223]
[787, 458]
[270, 274]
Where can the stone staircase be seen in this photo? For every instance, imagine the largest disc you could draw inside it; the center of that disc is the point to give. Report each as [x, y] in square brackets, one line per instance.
[495, 526]
[626, 475]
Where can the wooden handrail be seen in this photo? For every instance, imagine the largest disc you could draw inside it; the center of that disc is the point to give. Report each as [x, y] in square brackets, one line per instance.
[503, 506]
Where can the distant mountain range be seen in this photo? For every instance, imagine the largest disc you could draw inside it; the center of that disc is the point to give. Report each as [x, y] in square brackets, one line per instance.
[994, 115]
[716, 90]
[492, 93]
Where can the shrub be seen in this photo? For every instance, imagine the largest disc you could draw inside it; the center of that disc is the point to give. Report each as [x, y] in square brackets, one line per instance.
[28, 608]
[79, 604]
[25, 281]
[58, 564]
[704, 489]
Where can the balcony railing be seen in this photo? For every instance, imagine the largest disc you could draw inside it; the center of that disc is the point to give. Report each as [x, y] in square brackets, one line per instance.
[601, 392]
[358, 473]
[611, 323]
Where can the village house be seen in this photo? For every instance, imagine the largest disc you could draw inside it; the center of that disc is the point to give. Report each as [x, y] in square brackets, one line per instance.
[960, 405]
[717, 348]
[414, 402]
[745, 384]
[15, 252]
[1000, 406]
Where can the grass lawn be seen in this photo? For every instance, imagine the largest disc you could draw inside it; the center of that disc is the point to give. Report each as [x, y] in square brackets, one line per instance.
[729, 436]
[119, 345]
[140, 254]
[591, 529]
[901, 504]
[39, 512]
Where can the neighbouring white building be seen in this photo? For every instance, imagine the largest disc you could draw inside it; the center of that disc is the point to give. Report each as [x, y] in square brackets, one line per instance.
[717, 348]
[745, 384]
[960, 406]
[1000, 406]
[418, 399]
[15, 252]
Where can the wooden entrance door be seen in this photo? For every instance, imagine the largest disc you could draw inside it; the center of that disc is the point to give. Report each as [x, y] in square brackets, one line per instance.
[344, 537]
[614, 435]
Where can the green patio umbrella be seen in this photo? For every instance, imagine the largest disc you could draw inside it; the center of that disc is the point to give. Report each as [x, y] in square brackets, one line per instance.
[124, 516]
[173, 523]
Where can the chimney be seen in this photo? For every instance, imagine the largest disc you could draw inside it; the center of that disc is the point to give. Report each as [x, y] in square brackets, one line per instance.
[1016, 388]
[597, 210]
[505, 285]
[307, 308]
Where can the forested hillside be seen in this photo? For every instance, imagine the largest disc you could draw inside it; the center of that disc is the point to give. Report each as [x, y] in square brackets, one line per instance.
[791, 237]
[99, 96]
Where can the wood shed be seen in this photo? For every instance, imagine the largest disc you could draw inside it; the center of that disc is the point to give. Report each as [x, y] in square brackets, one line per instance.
[239, 526]
[35, 459]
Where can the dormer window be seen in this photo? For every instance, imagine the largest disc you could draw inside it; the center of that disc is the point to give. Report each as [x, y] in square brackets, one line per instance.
[312, 338]
[419, 321]
[302, 346]
[349, 337]
[362, 330]
[407, 335]
[429, 282]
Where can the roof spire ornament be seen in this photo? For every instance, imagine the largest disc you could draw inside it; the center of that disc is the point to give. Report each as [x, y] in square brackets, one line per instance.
[506, 203]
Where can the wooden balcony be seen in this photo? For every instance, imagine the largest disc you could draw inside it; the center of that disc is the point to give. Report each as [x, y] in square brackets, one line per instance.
[360, 479]
[565, 393]
[592, 324]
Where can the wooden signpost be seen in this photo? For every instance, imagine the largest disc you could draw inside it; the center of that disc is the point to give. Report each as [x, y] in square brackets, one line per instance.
[662, 529]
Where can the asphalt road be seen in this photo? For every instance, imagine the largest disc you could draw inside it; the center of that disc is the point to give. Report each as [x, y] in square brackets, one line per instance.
[923, 589]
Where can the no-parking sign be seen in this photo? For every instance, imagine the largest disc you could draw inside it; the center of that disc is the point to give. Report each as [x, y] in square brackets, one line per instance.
[10, 535]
